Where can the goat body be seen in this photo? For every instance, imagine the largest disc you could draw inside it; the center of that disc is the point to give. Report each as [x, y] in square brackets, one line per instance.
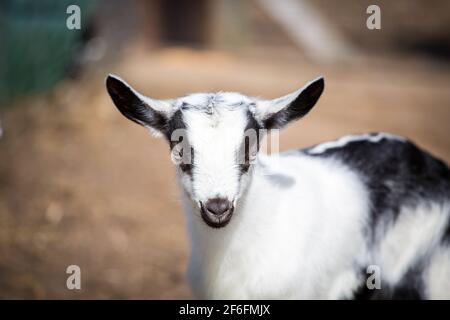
[314, 221]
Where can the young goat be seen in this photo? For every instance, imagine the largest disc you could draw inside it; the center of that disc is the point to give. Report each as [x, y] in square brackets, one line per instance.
[314, 223]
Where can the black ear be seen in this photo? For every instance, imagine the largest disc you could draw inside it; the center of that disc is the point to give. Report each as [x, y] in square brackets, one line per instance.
[134, 106]
[279, 112]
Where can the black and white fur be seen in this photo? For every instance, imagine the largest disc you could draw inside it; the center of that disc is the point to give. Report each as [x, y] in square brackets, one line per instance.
[302, 224]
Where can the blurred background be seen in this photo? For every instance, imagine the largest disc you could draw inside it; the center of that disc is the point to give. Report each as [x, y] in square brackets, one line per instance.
[80, 184]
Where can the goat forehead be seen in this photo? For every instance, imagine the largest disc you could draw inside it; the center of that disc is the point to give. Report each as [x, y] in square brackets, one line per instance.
[212, 121]
[208, 100]
[219, 130]
[214, 115]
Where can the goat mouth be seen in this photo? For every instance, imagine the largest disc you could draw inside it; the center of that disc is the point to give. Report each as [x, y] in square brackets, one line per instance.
[216, 221]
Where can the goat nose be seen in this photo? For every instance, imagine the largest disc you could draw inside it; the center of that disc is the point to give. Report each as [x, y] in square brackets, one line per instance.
[217, 206]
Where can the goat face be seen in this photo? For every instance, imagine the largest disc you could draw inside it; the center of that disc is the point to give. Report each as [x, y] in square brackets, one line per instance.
[213, 137]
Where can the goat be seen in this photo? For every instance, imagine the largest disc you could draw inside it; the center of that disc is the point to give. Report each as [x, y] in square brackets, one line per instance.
[304, 224]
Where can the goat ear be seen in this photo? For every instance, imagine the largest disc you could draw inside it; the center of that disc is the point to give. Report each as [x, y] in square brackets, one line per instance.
[150, 113]
[275, 114]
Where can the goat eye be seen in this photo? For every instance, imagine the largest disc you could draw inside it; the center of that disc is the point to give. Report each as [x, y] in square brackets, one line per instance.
[186, 164]
[177, 155]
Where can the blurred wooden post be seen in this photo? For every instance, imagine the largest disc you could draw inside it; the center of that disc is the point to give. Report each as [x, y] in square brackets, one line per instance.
[230, 27]
[178, 22]
[309, 30]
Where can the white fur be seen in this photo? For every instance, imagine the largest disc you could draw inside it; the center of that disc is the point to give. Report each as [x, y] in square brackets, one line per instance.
[437, 274]
[307, 241]
[341, 142]
[285, 243]
[416, 232]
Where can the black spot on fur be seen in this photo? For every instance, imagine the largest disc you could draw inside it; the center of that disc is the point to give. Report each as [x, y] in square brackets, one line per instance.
[176, 123]
[247, 145]
[403, 291]
[397, 173]
[446, 239]
[186, 166]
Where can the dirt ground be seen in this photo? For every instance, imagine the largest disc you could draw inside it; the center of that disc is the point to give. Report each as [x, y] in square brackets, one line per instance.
[79, 184]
